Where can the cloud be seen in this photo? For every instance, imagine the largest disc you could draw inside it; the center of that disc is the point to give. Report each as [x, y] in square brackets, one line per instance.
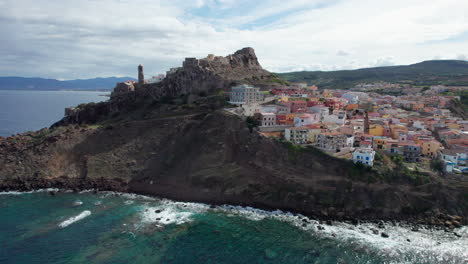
[462, 57]
[384, 61]
[342, 53]
[85, 38]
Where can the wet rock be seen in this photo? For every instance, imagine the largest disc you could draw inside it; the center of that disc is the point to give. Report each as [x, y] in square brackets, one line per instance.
[415, 229]
[375, 231]
[329, 222]
[157, 219]
[456, 234]
[385, 235]
[320, 227]
[408, 240]
[456, 223]
[158, 211]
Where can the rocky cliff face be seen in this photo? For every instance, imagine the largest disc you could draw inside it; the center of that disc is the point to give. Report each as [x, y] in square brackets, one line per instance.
[211, 156]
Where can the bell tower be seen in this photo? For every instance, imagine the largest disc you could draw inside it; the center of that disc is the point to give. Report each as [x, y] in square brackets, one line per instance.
[141, 75]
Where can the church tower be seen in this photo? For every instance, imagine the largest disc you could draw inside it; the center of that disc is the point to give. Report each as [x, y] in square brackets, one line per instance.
[141, 75]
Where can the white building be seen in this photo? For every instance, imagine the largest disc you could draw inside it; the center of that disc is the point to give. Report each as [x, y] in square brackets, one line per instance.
[351, 97]
[245, 94]
[251, 109]
[297, 135]
[155, 79]
[268, 119]
[454, 160]
[274, 108]
[338, 119]
[306, 119]
[364, 156]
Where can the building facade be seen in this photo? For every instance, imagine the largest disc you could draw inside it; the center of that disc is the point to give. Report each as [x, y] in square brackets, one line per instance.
[364, 156]
[245, 94]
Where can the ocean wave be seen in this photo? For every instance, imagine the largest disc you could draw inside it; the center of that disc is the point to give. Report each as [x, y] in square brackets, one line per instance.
[402, 245]
[170, 212]
[29, 192]
[74, 219]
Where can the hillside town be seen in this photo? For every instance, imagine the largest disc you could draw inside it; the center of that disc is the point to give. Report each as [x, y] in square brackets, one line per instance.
[361, 125]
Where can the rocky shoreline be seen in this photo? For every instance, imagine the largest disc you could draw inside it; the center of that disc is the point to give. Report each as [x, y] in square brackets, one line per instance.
[438, 221]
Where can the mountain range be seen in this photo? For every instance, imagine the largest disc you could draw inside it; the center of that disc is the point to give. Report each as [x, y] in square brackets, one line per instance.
[446, 72]
[20, 83]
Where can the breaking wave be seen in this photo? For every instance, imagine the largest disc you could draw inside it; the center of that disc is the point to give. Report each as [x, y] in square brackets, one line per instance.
[74, 219]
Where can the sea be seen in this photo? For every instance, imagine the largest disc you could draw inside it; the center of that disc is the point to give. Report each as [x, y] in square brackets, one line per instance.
[22, 111]
[108, 227]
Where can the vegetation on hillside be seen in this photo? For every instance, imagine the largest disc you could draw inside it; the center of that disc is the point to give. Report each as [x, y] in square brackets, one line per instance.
[446, 72]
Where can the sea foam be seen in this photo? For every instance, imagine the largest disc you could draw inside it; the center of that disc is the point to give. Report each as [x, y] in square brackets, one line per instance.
[74, 219]
[434, 246]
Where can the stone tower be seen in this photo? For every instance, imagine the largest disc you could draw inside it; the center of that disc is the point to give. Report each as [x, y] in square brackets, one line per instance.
[141, 75]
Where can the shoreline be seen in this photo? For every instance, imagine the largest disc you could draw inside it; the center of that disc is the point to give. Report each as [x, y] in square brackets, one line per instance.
[119, 188]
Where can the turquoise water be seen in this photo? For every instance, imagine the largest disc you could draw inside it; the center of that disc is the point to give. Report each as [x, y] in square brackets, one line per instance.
[22, 111]
[111, 228]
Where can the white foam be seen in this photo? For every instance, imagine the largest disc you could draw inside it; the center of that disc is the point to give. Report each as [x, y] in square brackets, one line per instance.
[432, 245]
[77, 203]
[170, 212]
[35, 191]
[74, 219]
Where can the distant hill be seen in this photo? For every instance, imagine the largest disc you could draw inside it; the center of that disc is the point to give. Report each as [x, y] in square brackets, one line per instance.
[20, 83]
[448, 72]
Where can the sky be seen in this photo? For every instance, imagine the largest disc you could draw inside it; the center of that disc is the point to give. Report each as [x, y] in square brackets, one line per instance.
[71, 39]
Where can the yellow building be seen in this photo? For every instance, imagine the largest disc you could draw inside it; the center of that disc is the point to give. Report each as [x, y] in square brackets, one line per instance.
[327, 94]
[380, 143]
[376, 130]
[312, 135]
[397, 129]
[290, 118]
[453, 126]
[430, 148]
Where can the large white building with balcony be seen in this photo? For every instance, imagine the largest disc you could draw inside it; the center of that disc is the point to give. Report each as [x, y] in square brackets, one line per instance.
[245, 94]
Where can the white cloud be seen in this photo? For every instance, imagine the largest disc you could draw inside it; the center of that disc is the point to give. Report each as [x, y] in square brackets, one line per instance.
[342, 53]
[86, 38]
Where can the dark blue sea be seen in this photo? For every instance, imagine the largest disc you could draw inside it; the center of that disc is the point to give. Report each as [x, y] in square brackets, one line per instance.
[109, 227]
[22, 111]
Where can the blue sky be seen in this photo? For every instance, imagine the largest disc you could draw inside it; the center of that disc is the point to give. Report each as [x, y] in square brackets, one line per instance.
[68, 39]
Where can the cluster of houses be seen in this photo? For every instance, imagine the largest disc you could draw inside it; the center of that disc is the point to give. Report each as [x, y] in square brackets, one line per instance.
[356, 124]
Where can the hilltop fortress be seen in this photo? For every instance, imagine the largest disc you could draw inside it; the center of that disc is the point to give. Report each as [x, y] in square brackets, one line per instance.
[199, 75]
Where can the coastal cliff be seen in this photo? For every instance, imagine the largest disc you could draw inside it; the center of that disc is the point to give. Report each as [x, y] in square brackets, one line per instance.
[182, 145]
